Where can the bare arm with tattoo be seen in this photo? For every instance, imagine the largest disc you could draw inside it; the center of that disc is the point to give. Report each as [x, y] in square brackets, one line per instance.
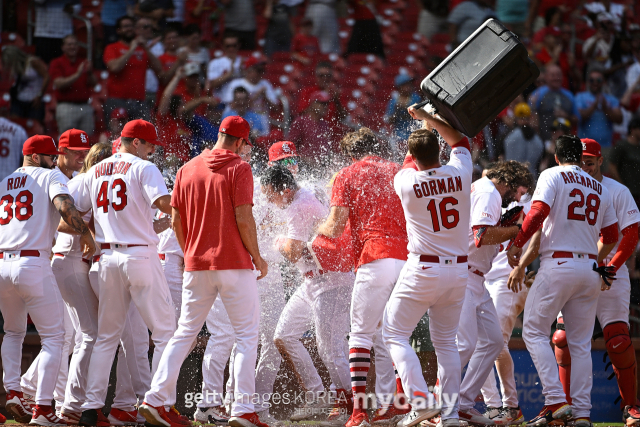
[70, 215]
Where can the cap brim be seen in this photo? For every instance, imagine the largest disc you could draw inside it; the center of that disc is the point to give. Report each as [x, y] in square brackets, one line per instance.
[78, 148]
[285, 156]
[158, 142]
[248, 141]
[589, 154]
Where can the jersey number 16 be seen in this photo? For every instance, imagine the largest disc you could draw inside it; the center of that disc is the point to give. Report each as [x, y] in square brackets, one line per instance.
[120, 192]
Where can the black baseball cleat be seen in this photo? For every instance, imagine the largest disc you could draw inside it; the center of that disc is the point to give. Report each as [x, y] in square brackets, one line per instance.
[89, 418]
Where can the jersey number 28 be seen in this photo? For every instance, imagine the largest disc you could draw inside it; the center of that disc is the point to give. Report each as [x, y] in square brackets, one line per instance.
[120, 192]
[590, 213]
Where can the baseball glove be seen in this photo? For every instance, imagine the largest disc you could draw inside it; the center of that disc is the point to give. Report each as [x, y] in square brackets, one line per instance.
[607, 273]
[511, 216]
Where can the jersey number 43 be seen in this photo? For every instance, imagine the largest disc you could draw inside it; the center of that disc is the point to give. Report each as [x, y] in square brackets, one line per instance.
[119, 188]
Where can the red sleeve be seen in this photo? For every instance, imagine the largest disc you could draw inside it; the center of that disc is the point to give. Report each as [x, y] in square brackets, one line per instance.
[175, 194]
[464, 143]
[609, 234]
[295, 44]
[409, 163]
[243, 189]
[55, 70]
[339, 192]
[478, 234]
[532, 222]
[626, 247]
[110, 53]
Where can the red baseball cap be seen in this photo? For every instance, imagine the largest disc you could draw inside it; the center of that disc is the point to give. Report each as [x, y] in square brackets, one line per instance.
[254, 60]
[116, 146]
[142, 129]
[74, 139]
[236, 126]
[119, 113]
[591, 148]
[281, 150]
[40, 144]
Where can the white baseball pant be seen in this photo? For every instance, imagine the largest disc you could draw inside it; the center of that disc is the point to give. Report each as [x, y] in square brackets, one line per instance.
[239, 294]
[438, 288]
[125, 275]
[479, 339]
[173, 267]
[27, 285]
[613, 304]
[508, 306]
[572, 287]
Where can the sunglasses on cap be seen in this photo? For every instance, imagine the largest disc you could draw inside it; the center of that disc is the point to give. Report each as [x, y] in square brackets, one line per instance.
[289, 161]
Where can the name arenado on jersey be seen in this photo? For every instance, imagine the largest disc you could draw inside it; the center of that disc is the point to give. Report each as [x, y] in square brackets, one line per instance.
[112, 168]
[571, 178]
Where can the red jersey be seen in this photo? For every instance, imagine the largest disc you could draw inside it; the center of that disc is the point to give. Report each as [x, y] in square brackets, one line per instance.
[378, 226]
[80, 90]
[307, 46]
[211, 186]
[167, 61]
[303, 104]
[188, 97]
[129, 82]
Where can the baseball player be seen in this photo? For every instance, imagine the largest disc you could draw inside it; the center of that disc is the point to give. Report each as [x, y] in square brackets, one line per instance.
[122, 191]
[363, 194]
[323, 298]
[566, 202]
[509, 305]
[479, 338]
[12, 136]
[172, 260]
[218, 260]
[32, 200]
[436, 203]
[613, 304]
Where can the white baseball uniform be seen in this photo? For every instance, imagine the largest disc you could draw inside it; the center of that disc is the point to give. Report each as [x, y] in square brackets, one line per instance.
[172, 260]
[508, 306]
[12, 137]
[436, 205]
[121, 191]
[580, 208]
[28, 222]
[613, 304]
[479, 336]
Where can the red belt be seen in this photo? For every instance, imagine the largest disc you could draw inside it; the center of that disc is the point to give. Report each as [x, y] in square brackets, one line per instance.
[477, 272]
[24, 253]
[162, 256]
[96, 258]
[86, 261]
[436, 259]
[561, 254]
[115, 245]
[311, 274]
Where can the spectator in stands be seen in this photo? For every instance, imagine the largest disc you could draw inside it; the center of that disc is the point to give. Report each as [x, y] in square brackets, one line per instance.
[620, 59]
[597, 48]
[433, 17]
[156, 10]
[226, 68]
[466, 17]
[117, 120]
[195, 52]
[365, 34]
[560, 126]
[263, 96]
[523, 144]
[204, 129]
[53, 23]
[325, 24]
[203, 13]
[240, 20]
[30, 77]
[193, 97]
[631, 98]
[111, 11]
[396, 114]
[279, 27]
[633, 73]
[305, 46]
[513, 14]
[312, 134]
[171, 59]
[171, 128]
[550, 48]
[615, 10]
[598, 110]
[73, 81]
[552, 101]
[554, 51]
[552, 20]
[325, 82]
[146, 32]
[624, 164]
[241, 106]
[127, 61]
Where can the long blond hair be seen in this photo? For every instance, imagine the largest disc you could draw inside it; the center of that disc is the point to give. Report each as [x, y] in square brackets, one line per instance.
[15, 59]
[96, 154]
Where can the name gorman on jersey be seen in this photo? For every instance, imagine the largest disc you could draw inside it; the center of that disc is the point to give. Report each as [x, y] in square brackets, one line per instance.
[571, 178]
[112, 168]
[438, 186]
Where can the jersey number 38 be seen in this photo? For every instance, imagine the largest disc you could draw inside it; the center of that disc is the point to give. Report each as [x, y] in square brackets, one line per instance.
[119, 188]
[23, 210]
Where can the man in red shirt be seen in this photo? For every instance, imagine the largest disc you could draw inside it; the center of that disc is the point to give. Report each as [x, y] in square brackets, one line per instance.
[73, 82]
[218, 259]
[127, 61]
[363, 194]
[170, 60]
[324, 82]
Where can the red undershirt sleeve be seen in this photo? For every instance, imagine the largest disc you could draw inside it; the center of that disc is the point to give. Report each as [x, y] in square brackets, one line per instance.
[409, 163]
[532, 222]
[626, 247]
[464, 142]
